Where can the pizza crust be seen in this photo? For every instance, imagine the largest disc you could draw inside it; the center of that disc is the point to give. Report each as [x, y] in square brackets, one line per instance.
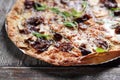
[52, 56]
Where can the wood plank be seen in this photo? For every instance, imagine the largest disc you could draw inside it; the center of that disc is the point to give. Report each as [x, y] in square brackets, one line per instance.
[47, 73]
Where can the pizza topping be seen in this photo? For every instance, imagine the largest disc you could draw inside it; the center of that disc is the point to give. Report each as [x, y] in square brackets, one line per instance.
[65, 46]
[117, 30]
[40, 7]
[41, 45]
[100, 50]
[36, 29]
[35, 21]
[28, 4]
[70, 24]
[57, 37]
[24, 31]
[102, 44]
[38, 35]
[110, 4]
[83, 18]
[117, 13]
[84, 51]
[64, 1]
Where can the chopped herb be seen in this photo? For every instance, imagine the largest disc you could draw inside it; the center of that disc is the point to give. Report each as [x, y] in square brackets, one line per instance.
[100, 50]
[84, 4]
[70, 24]
[66, 14]
[79, 14]
[38, 35]
[75, 13]
[56, 10]
[115, 9]
[40, 8]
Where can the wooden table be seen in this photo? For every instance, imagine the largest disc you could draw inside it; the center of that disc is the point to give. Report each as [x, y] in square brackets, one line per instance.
[14, 65]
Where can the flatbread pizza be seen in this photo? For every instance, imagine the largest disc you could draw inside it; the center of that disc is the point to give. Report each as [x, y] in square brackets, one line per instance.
[66, 32]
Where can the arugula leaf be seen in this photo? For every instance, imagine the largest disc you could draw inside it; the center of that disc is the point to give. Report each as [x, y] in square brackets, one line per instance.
[69, 24]
[56, 10]
[100, 50]
[38, 35]
[40, 8]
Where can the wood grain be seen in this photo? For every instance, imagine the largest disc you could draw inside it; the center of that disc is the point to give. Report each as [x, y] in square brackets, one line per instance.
[62, 73]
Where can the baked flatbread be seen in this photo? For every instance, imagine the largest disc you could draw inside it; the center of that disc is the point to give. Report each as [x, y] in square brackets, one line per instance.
[66, 32]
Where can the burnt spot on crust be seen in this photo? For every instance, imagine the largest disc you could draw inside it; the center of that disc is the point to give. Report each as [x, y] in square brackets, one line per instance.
[28, 4]
[83, 18]
[41, 45]
[102, 44]
[110, 4]
[65, 46]
[57, 37]
[35, 21]
[117, 30]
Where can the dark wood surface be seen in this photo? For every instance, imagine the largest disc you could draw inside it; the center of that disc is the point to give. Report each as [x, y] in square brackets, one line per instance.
[14, 65]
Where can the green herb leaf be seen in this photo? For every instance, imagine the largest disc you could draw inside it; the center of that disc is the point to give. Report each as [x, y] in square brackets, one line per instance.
[75, 13]
[38, 35]
[115, 9]
[41, 8]
[84, 4]
[69, 24]
[100, 50]
[66, 14]
[56, 10]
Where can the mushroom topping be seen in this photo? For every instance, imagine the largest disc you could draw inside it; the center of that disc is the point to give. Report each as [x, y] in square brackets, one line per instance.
[117, 30]
[102, 44]
[57, 37]
[65, 46]
[83, 18]
[28, 4]
[35, 21]
[41, 45]
[110, 4]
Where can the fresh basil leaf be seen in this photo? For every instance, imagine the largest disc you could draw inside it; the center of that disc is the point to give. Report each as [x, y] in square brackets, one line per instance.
[56, 10]
[100, 50]
[38, 35]
[40, 8]
[69, 24]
